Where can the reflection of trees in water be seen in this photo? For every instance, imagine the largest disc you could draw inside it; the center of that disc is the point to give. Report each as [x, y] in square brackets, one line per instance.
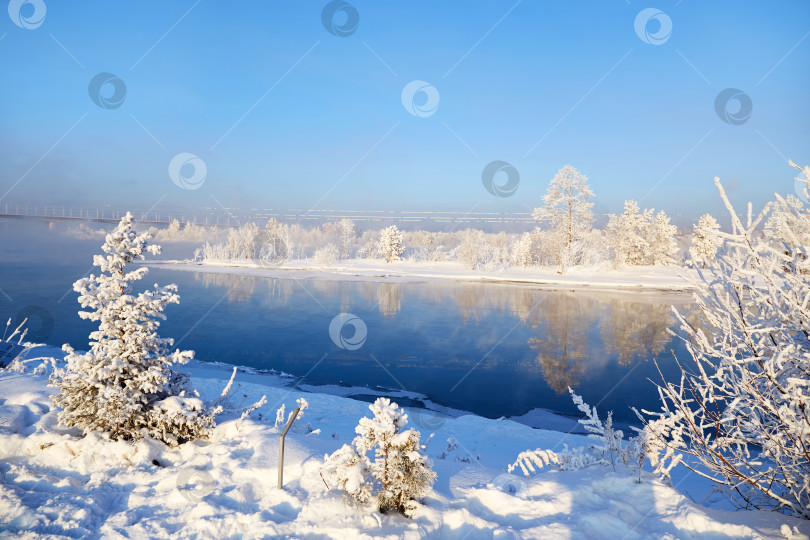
[631, 330]
[239, 288]
[476, 301]
[576, 334]
[242, 288]
[636, 331]
[386, 296]
[562, 344]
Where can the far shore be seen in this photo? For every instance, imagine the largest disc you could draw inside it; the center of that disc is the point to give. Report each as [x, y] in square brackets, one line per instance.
[640, 278]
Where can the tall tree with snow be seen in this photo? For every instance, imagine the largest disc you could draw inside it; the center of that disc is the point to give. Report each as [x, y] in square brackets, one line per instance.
[399, 474]
[567, 209]
[347, 234]
[741, 410]
[705, 241]
[124, 386]
[627, 234]
[390, 244]
[663, 247]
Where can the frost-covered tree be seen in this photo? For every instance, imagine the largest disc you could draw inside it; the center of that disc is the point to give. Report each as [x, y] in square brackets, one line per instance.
[704, 240]
[788, 223]
[567, 209]
[399, 474]
[124, 386]
[663, 247]
[390, 244]
[741, 409]
[523, 250]
[627, 234]
[347, 234]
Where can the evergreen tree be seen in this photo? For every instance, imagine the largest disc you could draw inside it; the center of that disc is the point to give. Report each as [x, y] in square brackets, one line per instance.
[399, 473]
[124, 386]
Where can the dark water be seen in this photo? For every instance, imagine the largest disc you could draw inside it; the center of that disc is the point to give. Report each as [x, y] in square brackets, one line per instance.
[496, 350]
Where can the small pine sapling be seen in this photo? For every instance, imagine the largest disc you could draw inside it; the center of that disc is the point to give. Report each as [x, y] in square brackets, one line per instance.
[398, 475]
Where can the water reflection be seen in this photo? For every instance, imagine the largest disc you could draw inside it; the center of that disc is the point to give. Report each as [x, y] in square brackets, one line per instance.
[567, 337]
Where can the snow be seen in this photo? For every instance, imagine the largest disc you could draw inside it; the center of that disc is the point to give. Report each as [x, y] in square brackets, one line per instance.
[662, 278]
[53, 482]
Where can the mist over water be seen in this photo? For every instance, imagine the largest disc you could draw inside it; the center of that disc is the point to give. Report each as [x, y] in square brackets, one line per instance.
[492, 349]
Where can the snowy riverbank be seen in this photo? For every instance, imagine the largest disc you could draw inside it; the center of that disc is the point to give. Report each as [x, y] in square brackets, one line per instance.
[53, 482]
[660, 278]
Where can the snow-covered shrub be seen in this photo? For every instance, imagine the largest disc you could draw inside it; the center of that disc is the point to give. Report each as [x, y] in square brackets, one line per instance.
[224, 404]
[704, 241]
[327, 255]
[472, 251]
[390, 244]
[742, 409]
[608, 447]
[369, 250]
[124, 386]
[398, 475]
[430, 254]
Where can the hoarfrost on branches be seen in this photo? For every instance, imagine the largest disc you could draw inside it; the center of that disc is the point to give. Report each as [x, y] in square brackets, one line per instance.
[398, 475]
[741, 409]
[124, 386]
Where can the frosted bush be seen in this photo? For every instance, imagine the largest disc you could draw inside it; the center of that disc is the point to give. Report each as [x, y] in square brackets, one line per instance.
[398, 475]
[607, 449]
[327, 255]
[741, 408]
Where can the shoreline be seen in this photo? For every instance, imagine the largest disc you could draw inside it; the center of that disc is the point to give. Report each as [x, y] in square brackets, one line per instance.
[663, 279]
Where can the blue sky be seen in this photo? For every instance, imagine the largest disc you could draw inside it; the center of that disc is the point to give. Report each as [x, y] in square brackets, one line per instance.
[284, 114]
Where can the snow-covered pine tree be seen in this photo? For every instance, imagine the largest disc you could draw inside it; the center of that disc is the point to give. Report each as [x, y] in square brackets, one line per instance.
[627, 234]
[704, 240]
[663, 246]
[124, 386]
[390, 244]
[742, 410]
[567, 210]
[399, 474]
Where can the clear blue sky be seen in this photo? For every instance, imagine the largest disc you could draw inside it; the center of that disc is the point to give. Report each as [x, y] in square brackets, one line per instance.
[574, 74]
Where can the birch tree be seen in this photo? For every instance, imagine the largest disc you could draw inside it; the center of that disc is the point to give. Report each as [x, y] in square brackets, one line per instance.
[567, 209]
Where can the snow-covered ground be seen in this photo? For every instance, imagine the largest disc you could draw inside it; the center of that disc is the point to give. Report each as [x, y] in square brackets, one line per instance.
[666, 278]
[55, 483]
